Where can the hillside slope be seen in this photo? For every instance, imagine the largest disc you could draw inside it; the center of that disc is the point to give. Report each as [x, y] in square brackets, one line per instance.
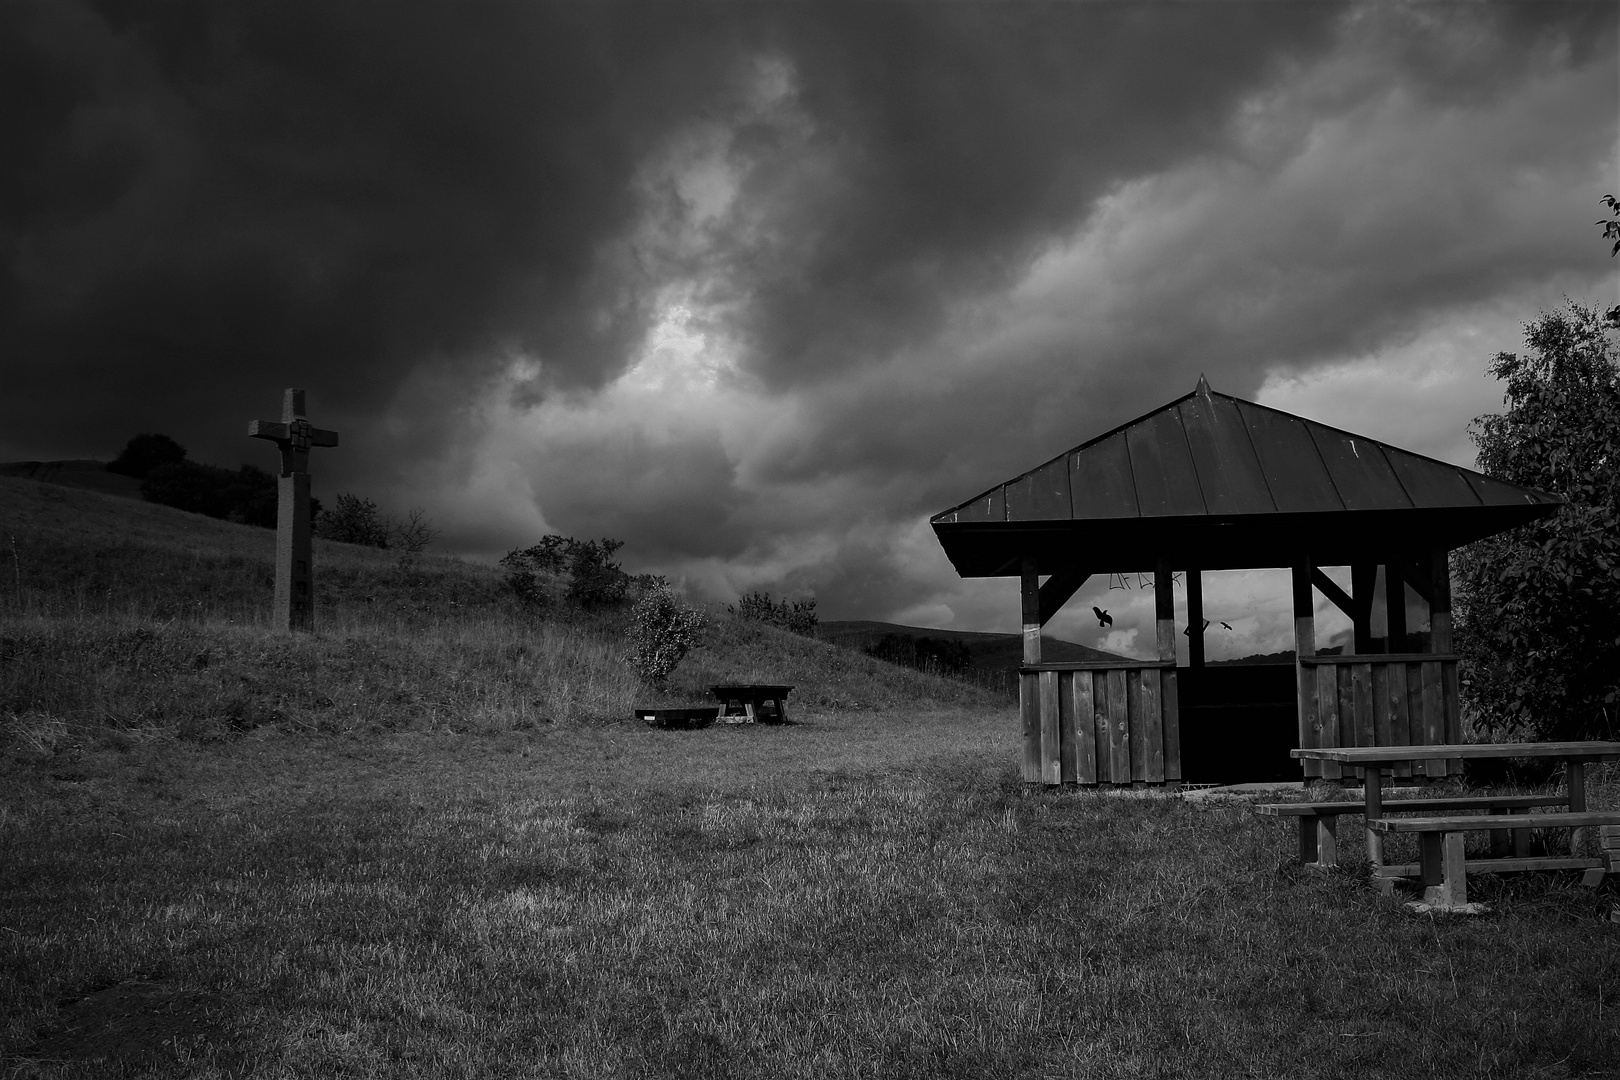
[989, 652]
[120, 616]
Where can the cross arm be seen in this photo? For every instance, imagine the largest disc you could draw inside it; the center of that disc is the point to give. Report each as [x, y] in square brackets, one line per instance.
[267, 429]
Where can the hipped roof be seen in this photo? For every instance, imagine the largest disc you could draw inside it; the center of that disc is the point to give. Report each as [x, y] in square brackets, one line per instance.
[1217, 482]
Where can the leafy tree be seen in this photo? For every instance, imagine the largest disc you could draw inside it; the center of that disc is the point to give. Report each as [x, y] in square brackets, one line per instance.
[354, 520]
[939, 655]
[662, 631]
[246, 495]
[146, 452]
[581, 570]
[1538, 609]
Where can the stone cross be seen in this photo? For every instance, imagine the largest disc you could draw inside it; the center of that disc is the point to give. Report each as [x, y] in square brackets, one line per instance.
[295, 579]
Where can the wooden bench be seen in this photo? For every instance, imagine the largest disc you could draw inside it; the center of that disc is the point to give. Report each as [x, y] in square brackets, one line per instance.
[763, 702]
[1319, 821]
[1444, 869]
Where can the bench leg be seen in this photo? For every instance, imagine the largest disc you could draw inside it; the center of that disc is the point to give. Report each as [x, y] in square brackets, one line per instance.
[1501, 839]
[1445, 870]
[1319, 841]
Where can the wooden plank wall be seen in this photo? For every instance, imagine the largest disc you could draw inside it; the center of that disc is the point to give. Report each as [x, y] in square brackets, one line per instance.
[1101, 725]
[1377, 701]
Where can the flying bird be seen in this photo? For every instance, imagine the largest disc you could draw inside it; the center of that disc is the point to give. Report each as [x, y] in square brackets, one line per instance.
[1227, 625]
[1103, 618]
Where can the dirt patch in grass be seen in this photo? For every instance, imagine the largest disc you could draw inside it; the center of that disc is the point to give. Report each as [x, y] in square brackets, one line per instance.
[136, 1025]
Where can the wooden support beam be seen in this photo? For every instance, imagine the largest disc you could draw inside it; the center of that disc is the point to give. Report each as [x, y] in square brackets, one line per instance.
[1416, 573]
[1363, 583]
[1030, 593]
[1164, 608]
[1057, 590]
[1195, 618]
[1336, 596]
[1305, 648]
[1395, 607]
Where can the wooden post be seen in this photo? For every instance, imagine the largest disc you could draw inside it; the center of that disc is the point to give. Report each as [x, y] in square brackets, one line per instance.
[1304, 648]
[1029, 684]
[1363, 580]
[295, 578]
[1440, 642]
[1195, 618]
[1395, 607]
[1164, 608]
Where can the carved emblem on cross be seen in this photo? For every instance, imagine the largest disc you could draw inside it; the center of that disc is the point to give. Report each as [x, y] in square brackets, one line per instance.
[293, 435]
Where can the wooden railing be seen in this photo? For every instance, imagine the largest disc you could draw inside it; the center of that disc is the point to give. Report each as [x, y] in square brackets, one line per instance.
[1393, 699]
[1113, 722]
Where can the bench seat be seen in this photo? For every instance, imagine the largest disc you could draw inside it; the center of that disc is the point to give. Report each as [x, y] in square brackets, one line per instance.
[1318, 821]
[1444, 870]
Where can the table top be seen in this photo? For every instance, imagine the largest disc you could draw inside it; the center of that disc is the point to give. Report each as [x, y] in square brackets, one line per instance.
[752, 688]
[1366, 755]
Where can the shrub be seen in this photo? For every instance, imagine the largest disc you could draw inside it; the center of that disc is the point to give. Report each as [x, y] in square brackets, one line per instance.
[796, 616]
[146, 452]
[589, 576]
[662, 631]
[354, 521]
[246, 496]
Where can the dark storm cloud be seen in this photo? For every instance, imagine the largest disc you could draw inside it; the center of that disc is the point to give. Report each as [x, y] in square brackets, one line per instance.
[207, 200]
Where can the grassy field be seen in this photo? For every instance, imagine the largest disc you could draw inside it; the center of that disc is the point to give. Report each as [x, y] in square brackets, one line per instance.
[205, 871]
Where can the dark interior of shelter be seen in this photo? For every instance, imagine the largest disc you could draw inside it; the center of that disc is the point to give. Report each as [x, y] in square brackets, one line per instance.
[1238, 723]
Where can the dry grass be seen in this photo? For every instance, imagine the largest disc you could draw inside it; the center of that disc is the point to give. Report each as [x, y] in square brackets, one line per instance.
[365, 852]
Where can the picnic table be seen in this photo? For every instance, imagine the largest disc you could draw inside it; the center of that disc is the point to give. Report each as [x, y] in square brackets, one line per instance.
[764, 702]
[1443, 869]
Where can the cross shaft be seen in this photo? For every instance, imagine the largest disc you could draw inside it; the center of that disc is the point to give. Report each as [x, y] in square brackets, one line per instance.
[293, 435]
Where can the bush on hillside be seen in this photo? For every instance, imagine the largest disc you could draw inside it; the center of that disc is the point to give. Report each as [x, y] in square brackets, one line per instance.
[796, 616]
[353, 520]
[246, 496]
[582, 571]
[146, 452]
[663, 630]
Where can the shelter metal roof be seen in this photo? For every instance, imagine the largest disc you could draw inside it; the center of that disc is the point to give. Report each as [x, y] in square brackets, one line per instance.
[1217, 482]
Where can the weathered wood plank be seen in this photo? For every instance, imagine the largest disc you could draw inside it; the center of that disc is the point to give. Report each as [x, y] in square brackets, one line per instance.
[1453, 718]
[1082, 713]
[1101, 727]
[1029, 588]
[1346, 690]
[1400, 716]
[1029, 707]
[1361, 692]
[1379, 693]
[1172, 725]
[1414, 711]
[1434, 716]
[1119, 729]
[1327, 716]
[1051, 742]
[1067, 756]
[1152, 726]
[1138, 731]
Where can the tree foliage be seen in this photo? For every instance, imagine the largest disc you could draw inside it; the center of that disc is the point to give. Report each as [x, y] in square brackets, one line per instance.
[663, 630]
[146, 452]
[583, 571]
[246, 495]
[1538, 609]
[797, 616]
[353, 520]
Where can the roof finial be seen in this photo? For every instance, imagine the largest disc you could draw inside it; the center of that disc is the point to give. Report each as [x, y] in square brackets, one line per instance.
[1203, 385]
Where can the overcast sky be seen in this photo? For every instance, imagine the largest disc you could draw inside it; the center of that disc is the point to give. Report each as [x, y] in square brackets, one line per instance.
[758, 287]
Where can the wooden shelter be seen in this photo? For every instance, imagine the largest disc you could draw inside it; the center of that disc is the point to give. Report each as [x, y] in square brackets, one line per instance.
[1213, 482]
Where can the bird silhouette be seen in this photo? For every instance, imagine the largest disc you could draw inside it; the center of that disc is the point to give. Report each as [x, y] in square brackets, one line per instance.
[1103, 618]
[1227, 625]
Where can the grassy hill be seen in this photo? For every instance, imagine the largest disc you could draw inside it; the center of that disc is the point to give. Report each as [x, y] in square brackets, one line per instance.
[992, 654]
[120, 616]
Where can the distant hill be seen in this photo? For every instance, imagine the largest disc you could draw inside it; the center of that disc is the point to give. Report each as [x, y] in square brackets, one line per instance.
[80, 473]
[999, 653]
